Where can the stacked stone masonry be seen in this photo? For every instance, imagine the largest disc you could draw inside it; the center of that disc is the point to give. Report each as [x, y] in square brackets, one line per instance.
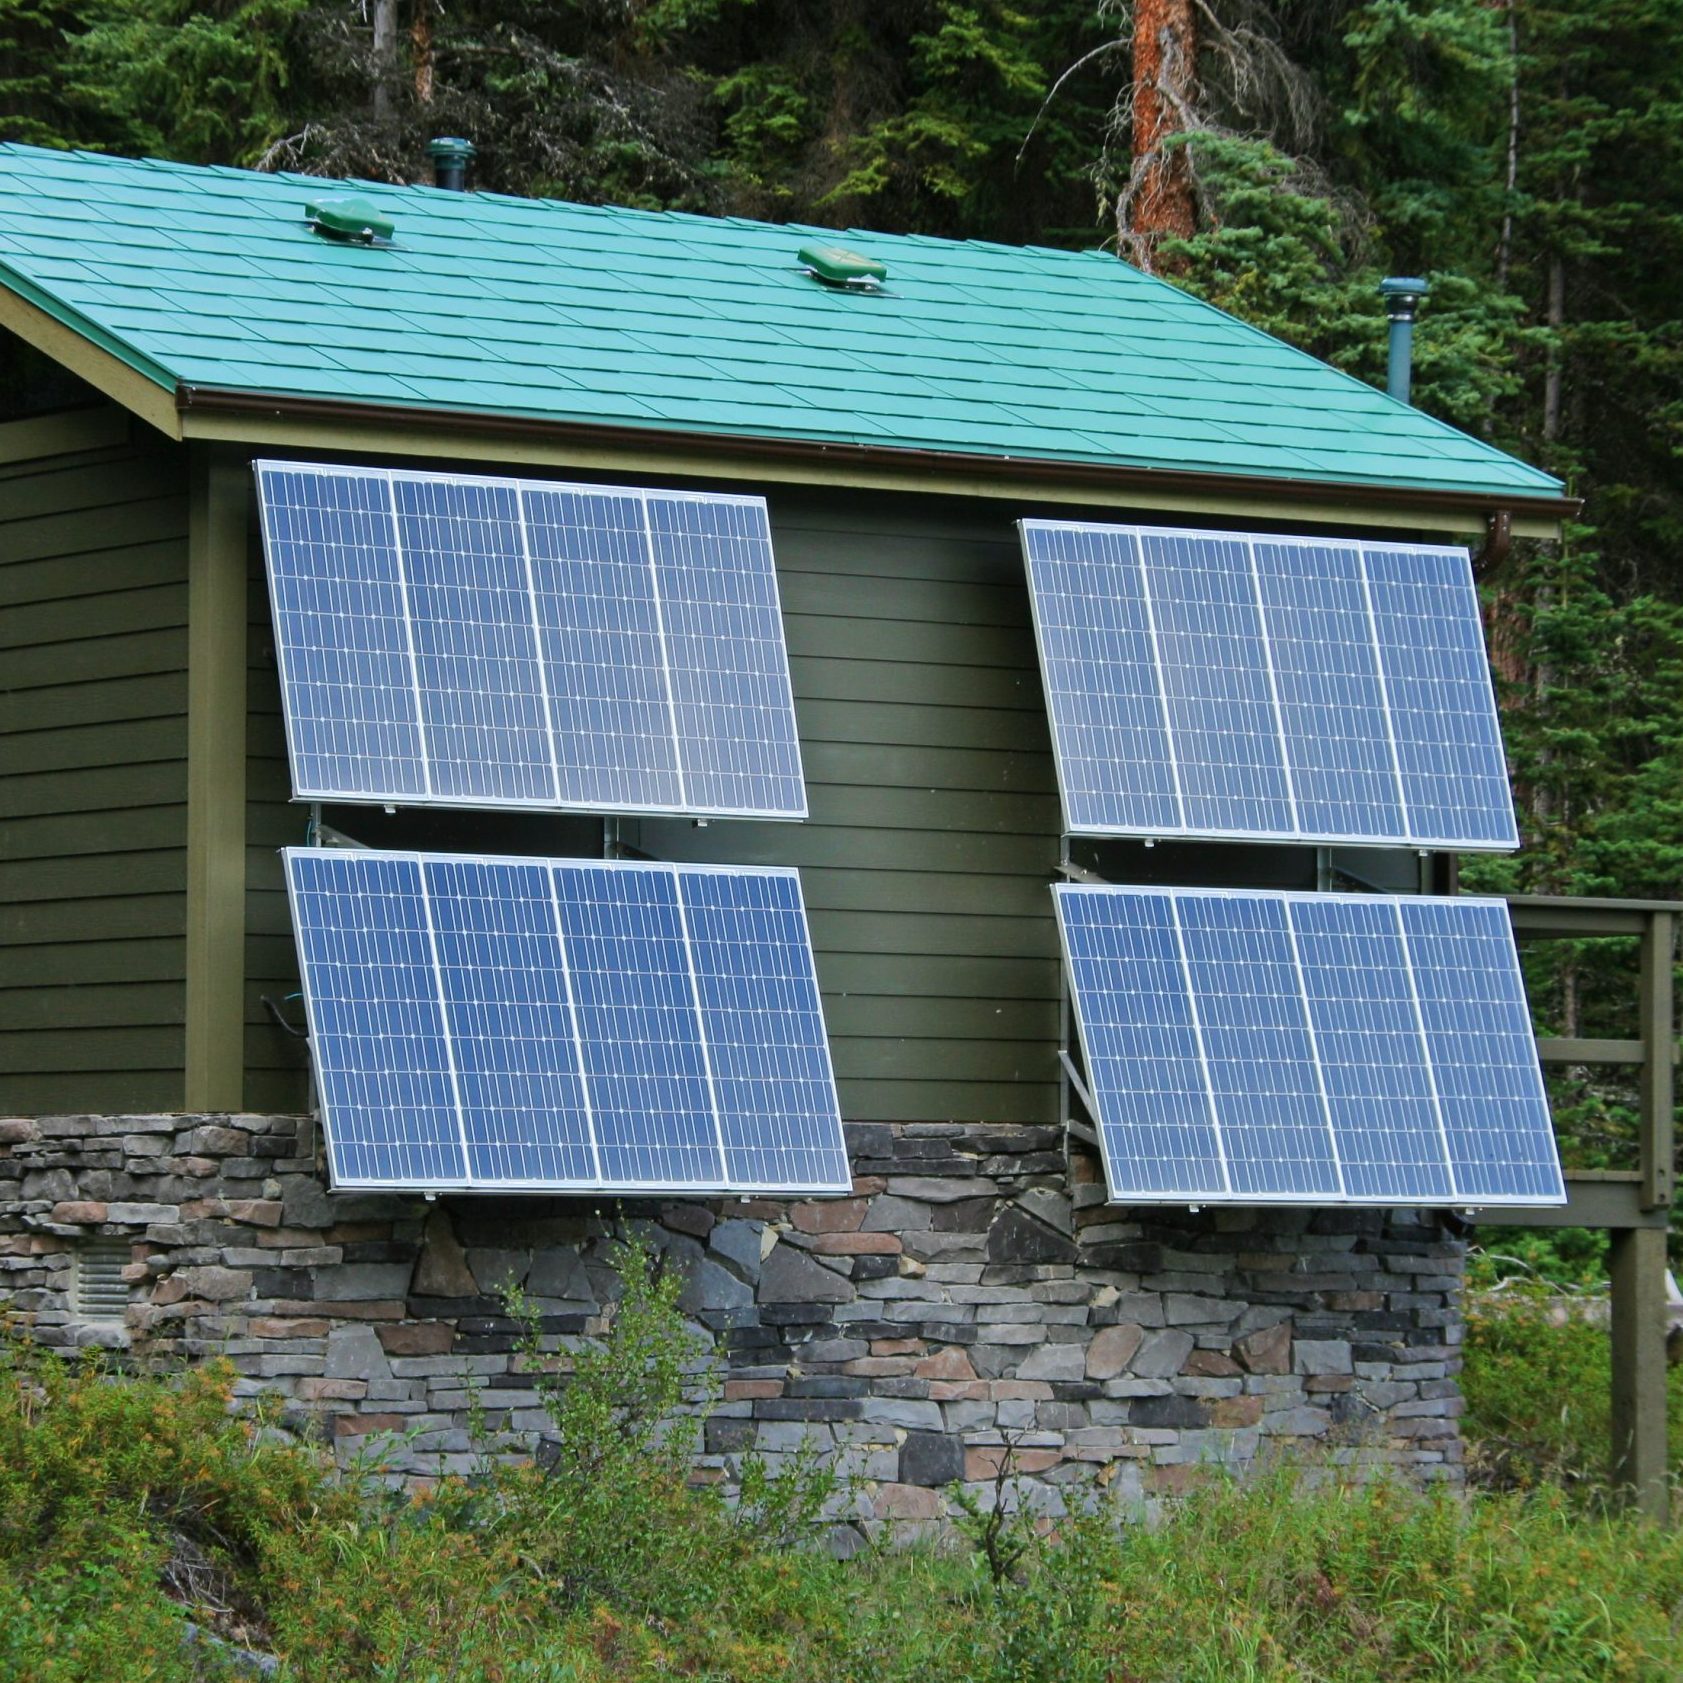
[976, 1292]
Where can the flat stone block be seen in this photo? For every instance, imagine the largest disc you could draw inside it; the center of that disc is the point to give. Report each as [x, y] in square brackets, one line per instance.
[416, 1338]
[1111, 1349]
[1161, 1353]
[1321, 1356]
[359, 1281]
[790, 1276]
[141, 1214]
[1268, 1350]
[85, 1212]
[931, 1458]
[828, 1215]
[1054, 1361]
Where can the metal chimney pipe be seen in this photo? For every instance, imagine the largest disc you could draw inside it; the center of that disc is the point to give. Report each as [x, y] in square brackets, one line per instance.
[1402, 295]
[450, 159]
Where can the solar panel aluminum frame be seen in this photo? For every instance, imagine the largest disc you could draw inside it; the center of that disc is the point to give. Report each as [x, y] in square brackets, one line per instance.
[1130, 1197]
[305, 792]
[1187, 832]
[583, 1187]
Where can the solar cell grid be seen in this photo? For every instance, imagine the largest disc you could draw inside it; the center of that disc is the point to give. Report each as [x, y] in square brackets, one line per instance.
[1253, 1047]
[342, 637]
[1250, 687]
[462, 641]
[484, 1023]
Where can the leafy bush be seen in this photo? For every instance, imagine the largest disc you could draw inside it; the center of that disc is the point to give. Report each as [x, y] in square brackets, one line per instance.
[1538, 1385]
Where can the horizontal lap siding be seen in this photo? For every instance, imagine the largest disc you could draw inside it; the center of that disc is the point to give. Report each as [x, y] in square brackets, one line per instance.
[934, 818]
[93, 779]
[276, 1064]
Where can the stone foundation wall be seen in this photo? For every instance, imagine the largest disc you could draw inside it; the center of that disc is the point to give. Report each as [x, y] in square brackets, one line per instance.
[975, 1290]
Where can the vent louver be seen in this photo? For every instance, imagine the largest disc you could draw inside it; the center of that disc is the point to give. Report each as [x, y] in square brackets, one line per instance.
[98, 1291]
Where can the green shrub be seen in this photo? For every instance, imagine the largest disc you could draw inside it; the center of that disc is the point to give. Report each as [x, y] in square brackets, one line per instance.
[1538, 1384]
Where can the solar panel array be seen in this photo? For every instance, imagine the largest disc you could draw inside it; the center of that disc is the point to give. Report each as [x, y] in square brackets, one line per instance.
[1223, 686]
[564, 1025]
[446, 640]
[1253, 1047]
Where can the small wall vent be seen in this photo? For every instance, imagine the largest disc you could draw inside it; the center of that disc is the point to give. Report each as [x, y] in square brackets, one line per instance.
[98, 1291]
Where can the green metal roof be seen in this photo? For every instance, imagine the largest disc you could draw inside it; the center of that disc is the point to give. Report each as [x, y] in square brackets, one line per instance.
[481, 304]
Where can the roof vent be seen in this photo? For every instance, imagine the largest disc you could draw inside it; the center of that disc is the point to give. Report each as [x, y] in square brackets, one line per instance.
[450, 156]
[835, 265]
[355, 220]
[98, 1291]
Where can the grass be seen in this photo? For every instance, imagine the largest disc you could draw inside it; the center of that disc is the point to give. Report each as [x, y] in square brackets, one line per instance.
[133, 1509]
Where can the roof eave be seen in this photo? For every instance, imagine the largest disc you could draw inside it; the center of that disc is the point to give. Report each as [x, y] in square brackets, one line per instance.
[115, 370]
[308, 422]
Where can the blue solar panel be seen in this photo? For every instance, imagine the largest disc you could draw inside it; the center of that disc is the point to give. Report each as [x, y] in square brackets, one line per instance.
[486, 1023]
[604, 665]
[1372, 1058]
[764, 1028]
[342, 636]
[1332, 699]
[1258, 1053]
[1219, 685]
[509, 1013]
[1484, 1061]
[1448, 742]
[724, 637]
[650, 1097]
[382, 1060]
[1142, 1047]
[1254, 1047]
[476, 651]
[1095, 633]
[488, 642]
[1212, 661]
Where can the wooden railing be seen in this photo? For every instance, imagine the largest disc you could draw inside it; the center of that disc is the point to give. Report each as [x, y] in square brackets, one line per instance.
[1634, 1205]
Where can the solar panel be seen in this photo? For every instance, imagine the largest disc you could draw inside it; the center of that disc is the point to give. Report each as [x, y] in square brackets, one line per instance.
[1221, 685]
[564, 1025]
[1259, 1047]
[455, 641]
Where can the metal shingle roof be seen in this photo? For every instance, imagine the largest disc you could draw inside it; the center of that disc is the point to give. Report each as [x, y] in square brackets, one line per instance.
[558, 312]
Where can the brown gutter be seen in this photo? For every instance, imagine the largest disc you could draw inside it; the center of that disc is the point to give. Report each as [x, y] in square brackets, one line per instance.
[222, 400]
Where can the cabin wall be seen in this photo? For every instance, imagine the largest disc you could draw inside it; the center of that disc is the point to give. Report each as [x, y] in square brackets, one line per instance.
[93, 765]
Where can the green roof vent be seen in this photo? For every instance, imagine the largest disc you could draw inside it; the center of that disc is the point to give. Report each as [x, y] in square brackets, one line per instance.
[835, 265]
[348, 219]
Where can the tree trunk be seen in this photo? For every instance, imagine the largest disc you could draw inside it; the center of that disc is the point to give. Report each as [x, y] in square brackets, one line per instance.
[1158, 202]
[385, 56]
[420, 40]
[1504, 246]
[1553, 369]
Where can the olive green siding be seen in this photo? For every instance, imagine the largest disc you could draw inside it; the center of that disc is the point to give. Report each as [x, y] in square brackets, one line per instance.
[93, 771]
[933, 827]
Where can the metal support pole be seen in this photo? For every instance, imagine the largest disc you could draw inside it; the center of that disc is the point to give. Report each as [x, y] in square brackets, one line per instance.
[1402, 295]
[1637, 1261]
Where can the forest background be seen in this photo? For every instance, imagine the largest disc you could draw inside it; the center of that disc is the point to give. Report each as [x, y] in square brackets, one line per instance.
[1276, 157]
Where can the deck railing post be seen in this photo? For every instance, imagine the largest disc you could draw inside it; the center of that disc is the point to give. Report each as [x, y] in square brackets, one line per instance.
[1657, 1107]
[1637, 1263]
